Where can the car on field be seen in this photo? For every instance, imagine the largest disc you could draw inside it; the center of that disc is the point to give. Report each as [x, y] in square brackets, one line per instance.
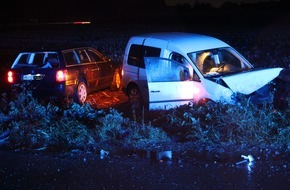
[69, 73]
[165, 70]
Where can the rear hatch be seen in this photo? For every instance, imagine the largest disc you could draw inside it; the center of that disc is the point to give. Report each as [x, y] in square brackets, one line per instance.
[38, 78]
[36, 69]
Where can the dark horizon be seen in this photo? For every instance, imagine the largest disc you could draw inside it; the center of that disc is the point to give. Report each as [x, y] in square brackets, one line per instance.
[131, 10]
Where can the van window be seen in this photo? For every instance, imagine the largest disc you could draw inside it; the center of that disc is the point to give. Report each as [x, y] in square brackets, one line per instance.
[228, 58]
[184, 63]
[138, 52]
[165, 70]
[220, 61]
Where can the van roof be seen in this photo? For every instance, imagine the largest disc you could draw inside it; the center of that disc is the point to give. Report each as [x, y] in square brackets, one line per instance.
[187, 42]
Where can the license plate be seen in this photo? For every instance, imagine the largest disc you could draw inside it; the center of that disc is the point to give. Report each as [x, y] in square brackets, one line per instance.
[38, 77]
[32, 77]
[28, 77]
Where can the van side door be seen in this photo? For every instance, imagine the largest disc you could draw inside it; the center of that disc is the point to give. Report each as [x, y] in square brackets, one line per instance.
[169, 84]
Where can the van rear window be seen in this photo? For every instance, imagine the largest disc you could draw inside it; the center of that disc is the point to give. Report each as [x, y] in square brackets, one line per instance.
[138, 52]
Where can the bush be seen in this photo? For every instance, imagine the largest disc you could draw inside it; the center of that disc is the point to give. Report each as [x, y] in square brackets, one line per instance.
[37, 126]
[243, 123]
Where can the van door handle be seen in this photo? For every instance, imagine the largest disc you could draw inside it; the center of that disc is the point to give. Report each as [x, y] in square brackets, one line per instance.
[155, 91]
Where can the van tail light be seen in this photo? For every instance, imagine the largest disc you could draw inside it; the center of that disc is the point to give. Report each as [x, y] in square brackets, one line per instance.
[10, 76]
[61, 75]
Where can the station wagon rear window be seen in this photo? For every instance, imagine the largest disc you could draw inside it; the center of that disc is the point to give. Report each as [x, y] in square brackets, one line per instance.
[35, 60]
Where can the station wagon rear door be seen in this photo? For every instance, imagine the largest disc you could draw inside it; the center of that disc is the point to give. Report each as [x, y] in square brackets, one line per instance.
[166, 87]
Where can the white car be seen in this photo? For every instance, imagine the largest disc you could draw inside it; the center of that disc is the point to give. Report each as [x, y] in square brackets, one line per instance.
[165, 70]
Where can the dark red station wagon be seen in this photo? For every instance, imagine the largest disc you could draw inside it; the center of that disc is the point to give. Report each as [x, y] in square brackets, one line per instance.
[67, 73]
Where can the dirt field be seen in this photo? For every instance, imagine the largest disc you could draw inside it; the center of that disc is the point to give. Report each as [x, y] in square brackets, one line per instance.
[106, 99]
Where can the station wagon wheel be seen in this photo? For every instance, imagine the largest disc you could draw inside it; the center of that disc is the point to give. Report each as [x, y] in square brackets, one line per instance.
[116, 83]
[135, 97]
[81, 92]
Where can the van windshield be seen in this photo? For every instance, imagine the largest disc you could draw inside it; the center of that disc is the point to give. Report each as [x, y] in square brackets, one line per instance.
[219, 61]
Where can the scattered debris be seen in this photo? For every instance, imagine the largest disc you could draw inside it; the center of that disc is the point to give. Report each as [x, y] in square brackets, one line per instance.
[103, 154]
[248, 158]
[163, 155]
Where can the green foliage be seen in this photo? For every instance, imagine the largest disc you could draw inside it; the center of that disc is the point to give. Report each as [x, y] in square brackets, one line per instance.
[143, 135]
[111, 126]
[37, 126]
[70, 134]
[116, 128]
[240, 123]
[25, 107]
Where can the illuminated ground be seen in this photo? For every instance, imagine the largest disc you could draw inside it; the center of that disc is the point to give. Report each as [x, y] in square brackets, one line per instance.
[106, 99]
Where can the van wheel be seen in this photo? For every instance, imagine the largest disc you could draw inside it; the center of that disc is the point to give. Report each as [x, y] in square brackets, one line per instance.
[81, 93]
[117, 82]
[135, 97]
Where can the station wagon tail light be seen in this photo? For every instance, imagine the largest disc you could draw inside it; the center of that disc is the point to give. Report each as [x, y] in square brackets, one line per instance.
[10, 77]
[61, 75]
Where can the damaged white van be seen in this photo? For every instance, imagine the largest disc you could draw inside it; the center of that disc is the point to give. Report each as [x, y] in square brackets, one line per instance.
[165, 70]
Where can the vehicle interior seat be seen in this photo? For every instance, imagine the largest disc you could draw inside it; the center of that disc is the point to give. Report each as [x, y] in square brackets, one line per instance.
[208, 63]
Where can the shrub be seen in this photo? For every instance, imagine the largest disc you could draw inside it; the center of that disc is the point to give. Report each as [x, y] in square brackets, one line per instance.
[241, 123]
[37, 126]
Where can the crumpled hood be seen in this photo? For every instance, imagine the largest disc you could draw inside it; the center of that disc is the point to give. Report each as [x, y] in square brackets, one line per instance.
[248, 82]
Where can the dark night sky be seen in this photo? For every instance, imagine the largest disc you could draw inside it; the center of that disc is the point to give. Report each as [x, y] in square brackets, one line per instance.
[214, 3]
[25, 10]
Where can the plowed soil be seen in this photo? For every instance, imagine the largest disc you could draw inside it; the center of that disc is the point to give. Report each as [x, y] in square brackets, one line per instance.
[106, 99]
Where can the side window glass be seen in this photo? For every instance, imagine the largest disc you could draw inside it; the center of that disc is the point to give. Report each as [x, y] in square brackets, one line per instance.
[151, 51]
[187, 68]
[138, 52]
[83, 56]
[94, 56]
[171, 70]
[176, 57]
[70, 58]
[135, 55]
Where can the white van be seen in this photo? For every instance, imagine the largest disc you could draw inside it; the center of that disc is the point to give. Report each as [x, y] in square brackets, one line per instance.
[165, 70]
